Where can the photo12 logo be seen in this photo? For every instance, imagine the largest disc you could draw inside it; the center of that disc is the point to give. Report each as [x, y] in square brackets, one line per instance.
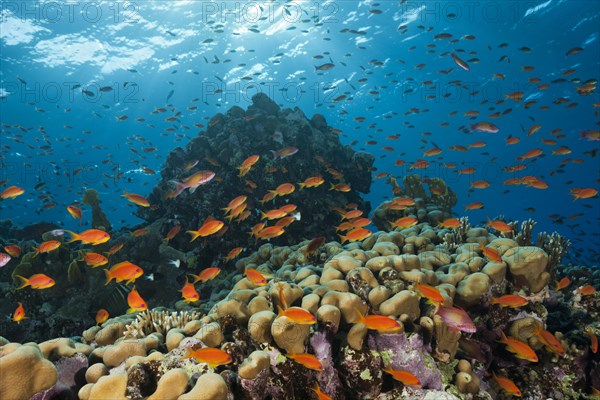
[468, 11]
[72, 11]
[68, 92]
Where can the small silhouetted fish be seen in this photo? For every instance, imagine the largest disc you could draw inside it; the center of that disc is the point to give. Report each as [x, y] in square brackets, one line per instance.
[21, 80]
[132, 70]
[324, 67]
[171, 33]
[169, 96]
[106, 89]
[88, 93]
[76, 86]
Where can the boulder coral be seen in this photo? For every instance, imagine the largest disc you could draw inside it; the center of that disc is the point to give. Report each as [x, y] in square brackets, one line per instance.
[149, 354]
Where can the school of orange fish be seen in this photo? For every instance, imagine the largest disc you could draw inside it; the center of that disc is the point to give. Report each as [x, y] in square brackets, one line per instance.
[353, 224]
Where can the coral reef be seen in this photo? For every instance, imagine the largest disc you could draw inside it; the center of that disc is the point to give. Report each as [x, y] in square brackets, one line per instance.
[146, 355]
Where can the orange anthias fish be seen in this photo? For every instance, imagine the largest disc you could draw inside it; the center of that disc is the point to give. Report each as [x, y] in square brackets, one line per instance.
[312, 182]
[520, 349]
[457, 319]
[432, 295]
[247, 164]
[531, 154]
[379, 323]
[11, 192]
[307, 360]
[586, 290]
[210, 227]
[549, 340]
[474, 206]
[114, 249]
[233, 253]
[189, 293]
[285, 152]
[563, 283]
[491, 253]
[206, 274]
[320, 394]
[192, 182]
[172, 233]
[95, 260]
[356, 234]
[500, 226]
[270, 232]
[123, 271]
[37, 281]
[298, 315]
[352, 214]
[585, 193]
[341, 187]
[19, 314]
[135, 302]
[208, 355]
[481, 184]
[255, 277]
[507, 385]
[101, 316]
[510, 300]
[273, 214]
[593, 340]
[91, 236]
[137, 199]
[235, 203]
[13, 250]
[315, 245]
[75, 212]
[404, 222]
[407, 378]
[47, 247]
[284, 189]
[451, 223]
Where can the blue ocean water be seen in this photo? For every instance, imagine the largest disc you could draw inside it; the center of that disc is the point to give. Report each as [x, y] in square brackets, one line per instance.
[72, 72]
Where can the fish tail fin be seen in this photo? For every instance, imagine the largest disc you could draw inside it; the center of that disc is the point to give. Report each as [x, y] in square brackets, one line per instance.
[109, 276]
[36, 251]
[24, 282]
[344, 238]
[332, 186]
[282, 298]
[280, 311]
[130, 310]
[503, 337]
[302, 185]
[359, 315]
[274, 154]
[74, 236]
[179, 187]
[194, 234]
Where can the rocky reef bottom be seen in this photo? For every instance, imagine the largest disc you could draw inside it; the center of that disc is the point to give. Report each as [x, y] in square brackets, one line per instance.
[451, 347]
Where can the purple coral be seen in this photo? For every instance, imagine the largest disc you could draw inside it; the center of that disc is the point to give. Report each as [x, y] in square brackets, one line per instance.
[329, 381]
[410, 354]
[71, 372]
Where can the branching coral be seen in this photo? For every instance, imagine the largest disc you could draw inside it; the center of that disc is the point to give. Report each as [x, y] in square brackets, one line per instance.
[458, 236]
[158, 321]
[556, 246]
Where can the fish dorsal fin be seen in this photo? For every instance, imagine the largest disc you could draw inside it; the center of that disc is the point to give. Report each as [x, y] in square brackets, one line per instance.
[282, 298]
[208, 219]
